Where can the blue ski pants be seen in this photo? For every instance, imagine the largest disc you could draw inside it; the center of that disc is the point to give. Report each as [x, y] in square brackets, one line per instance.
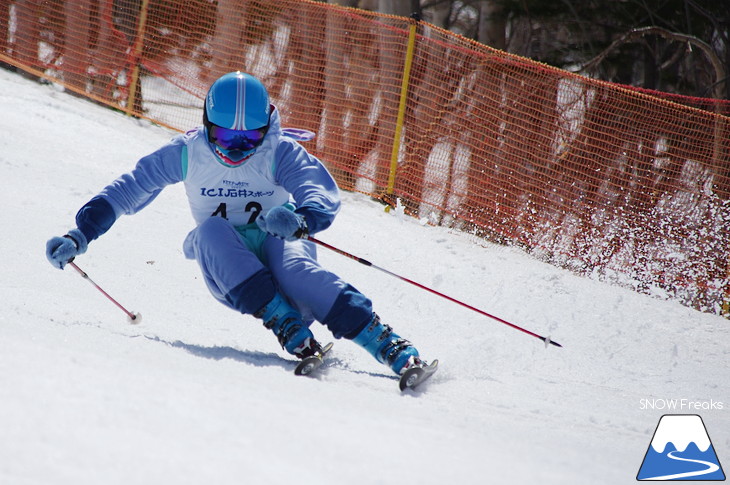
[245, 267]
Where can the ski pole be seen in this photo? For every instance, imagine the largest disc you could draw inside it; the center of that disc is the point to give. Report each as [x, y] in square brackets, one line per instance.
[132, 317]
[402, 278]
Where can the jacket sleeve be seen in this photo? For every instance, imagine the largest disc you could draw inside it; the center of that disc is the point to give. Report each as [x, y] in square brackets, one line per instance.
[314, 190]
[133, 191]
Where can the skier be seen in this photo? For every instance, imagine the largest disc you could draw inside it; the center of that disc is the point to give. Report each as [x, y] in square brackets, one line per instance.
[255, 194]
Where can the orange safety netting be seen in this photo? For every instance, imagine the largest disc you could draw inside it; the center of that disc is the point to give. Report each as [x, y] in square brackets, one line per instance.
[606, 180]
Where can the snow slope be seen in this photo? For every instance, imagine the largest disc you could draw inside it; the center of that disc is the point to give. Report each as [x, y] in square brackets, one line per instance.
[197, 394]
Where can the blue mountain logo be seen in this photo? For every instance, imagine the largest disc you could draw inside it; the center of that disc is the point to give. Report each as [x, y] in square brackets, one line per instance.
[681, 450]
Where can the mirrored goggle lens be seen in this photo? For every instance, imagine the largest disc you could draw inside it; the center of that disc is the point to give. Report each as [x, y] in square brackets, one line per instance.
[236, 139]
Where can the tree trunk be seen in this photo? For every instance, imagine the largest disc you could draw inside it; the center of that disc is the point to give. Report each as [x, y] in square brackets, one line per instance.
[401, 8]
[440, 14]
[345, 3]
[27, 34]
[76, 56]
[227, 48]
[492, 24]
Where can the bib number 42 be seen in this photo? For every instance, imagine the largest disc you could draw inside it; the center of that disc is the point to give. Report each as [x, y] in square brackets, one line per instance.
[252, 208]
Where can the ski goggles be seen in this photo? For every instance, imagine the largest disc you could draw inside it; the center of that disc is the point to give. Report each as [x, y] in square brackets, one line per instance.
[229, 139]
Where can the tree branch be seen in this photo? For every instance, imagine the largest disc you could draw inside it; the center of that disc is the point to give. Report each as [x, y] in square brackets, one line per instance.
[634, 35]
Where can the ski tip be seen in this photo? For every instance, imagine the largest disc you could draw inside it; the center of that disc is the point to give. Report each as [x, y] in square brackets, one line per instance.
[309, 365]
[306, 367]
[413, 377]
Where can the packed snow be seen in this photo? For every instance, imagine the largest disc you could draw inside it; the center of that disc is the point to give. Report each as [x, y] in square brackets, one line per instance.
[198, 394]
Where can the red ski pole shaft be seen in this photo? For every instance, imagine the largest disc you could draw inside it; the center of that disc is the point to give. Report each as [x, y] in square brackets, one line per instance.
[547, 340]
[132, 316]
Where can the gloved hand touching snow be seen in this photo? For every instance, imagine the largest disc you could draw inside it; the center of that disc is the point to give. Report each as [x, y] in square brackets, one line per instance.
[59, 250]
[283, 223]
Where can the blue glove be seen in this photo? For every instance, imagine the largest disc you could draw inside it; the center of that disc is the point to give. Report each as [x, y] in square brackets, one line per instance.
[59, 250]
[283, 223]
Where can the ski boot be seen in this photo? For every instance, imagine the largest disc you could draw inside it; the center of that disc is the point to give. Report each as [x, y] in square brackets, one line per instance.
[286, 323]
[387, 346]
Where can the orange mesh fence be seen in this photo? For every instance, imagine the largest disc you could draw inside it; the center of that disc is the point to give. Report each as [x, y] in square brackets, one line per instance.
[606, 180]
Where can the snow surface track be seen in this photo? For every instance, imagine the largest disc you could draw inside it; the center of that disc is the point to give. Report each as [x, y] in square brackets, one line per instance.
[198, 394]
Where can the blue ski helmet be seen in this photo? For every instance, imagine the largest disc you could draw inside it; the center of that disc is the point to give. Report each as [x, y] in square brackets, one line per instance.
[236, 116]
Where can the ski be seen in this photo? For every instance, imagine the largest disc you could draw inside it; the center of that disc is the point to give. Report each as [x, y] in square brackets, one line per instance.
[310, 364]
[415, 376]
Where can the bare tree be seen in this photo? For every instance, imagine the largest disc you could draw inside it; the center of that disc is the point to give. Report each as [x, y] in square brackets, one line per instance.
[402, 8]
[346, 3]
[492, 24]
[635, 35]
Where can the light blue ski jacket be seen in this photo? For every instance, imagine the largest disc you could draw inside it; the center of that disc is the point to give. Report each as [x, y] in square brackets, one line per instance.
[280, 171]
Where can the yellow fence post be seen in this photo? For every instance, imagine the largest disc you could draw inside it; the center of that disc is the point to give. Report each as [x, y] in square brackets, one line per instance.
[138, 46]
[402, 106]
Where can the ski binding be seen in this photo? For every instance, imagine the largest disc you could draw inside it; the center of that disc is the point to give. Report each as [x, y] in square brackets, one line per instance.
[414, 376]
[310, 364]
